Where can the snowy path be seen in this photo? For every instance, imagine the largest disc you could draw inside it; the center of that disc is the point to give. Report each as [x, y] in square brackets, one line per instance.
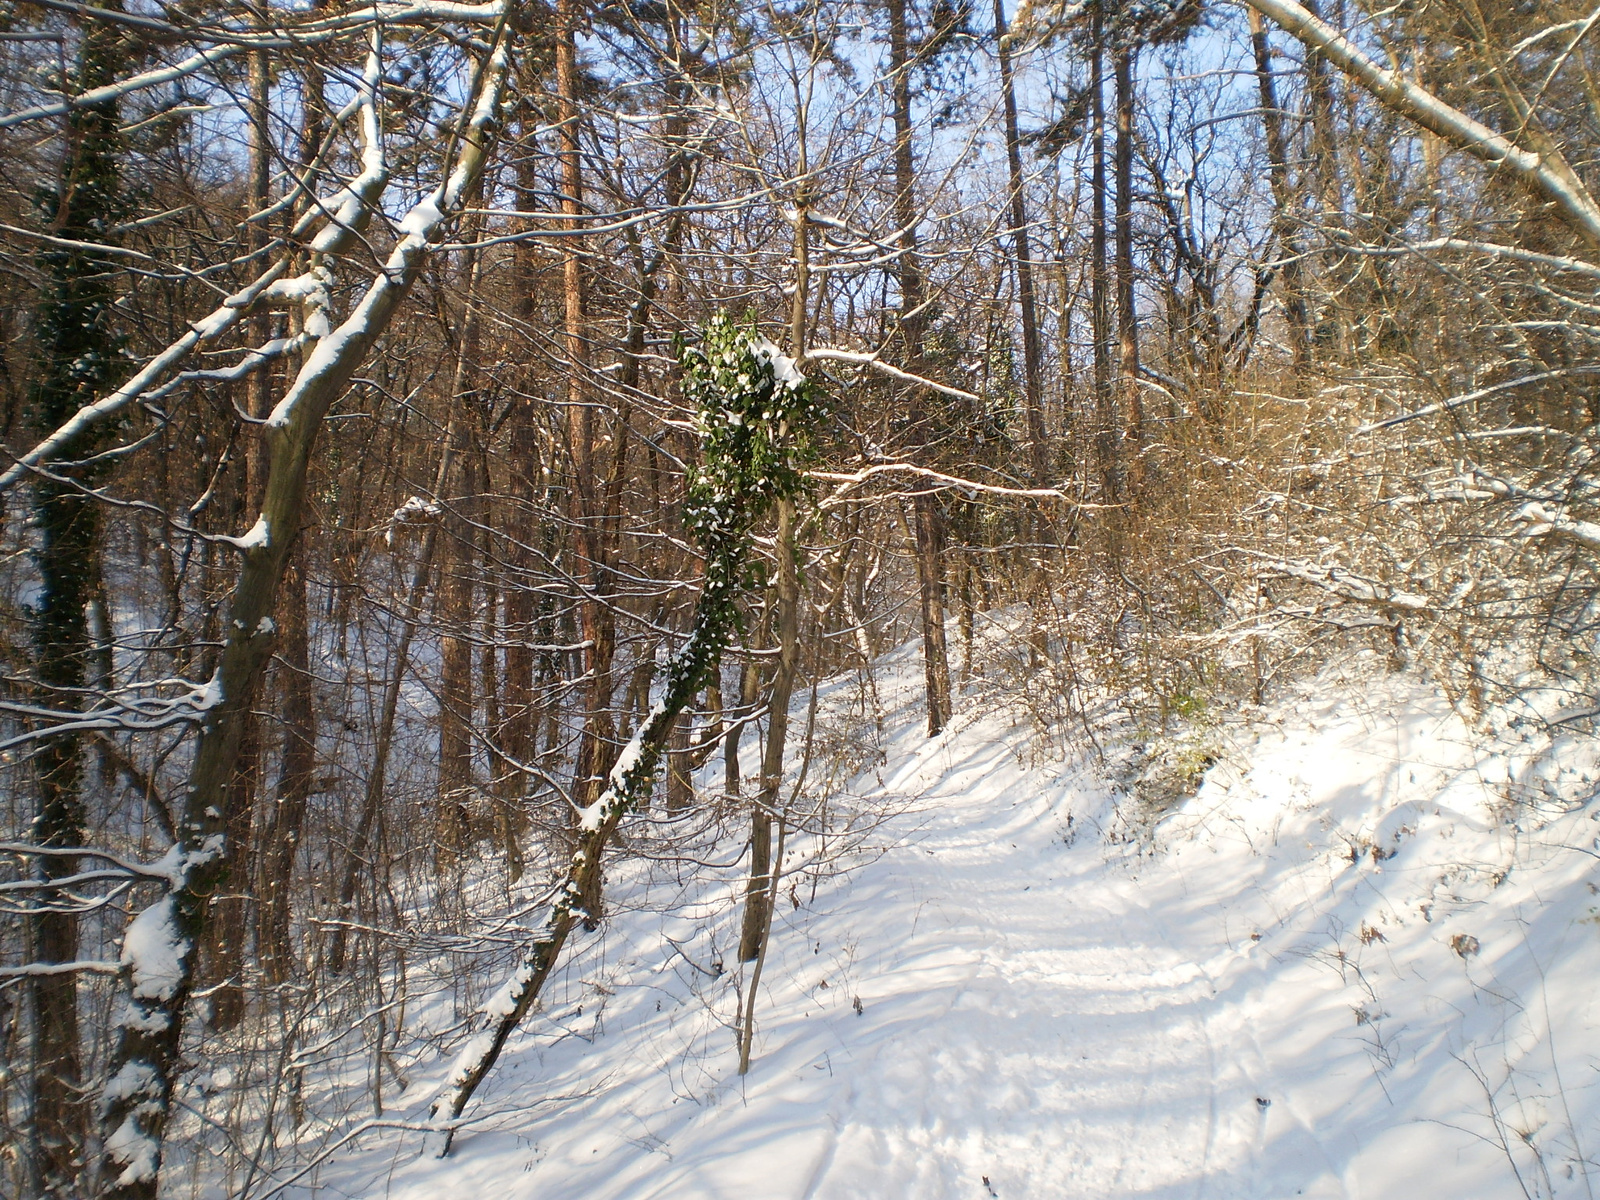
[1004, 1034]
[1254, 1011]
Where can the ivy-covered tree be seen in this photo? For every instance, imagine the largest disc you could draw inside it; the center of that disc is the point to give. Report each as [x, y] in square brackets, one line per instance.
[78, 356]
[755, 415]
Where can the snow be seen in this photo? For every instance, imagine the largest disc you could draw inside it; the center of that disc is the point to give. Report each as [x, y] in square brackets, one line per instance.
[133, 1079]
[499, 1005]
[153, 949]
[421, 221]
[785, 371]
[214, 322]
[253, 538]
[138, 1150]
[415, 510]
[208, 694]
[1539, 521]
[590, 816]
[139, 1153]
[471, 1055]
[310, 285]
[143, 1020]
[1035, 990]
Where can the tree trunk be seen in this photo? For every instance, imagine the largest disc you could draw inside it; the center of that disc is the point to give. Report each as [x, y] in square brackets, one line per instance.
[223, 954]
[452, 834]
[1283, 198]
[144, 1061]
[913, 329]
[1107, 450]
[280, 838]
[77, 356]
[1127, 317]
[757, 900]
[457, 704]
[519, 730]
[590, 560]
[749, 690]
[1032, 356]
[626, 790]
[756, 911]
[680, 772]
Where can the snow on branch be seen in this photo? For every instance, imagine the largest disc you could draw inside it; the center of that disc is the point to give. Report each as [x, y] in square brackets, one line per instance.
[165, 869]
[39, 970]
[1347, 585]
[1472, 397]
[232, 39]
[338, 351]
[346, 213]
[939, 480]
[124, 716]
[866, 359]
[1548, 173]
[1541, 521]
[208, 328]
[1557, 262]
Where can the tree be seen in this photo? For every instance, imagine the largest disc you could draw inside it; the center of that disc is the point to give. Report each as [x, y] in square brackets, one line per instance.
[755, 417]
[1364, 354]
[77, 358]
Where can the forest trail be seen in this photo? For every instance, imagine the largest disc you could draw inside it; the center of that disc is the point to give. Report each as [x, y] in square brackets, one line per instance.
[1021, 1023]
[1252, 1004]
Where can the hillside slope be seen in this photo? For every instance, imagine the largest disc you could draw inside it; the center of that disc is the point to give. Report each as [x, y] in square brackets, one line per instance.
[1360, 962]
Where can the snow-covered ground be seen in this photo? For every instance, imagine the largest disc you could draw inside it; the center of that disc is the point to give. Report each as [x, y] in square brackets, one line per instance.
[1362, 961]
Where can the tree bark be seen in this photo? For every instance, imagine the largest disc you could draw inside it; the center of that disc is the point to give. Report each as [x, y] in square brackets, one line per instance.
[235, 907]
[757, 898]
[457, 707]
[77, 354]
[680, 771]
[1283, 198]
[929, 541]
[1123, 55]
[1032, 355]
[590, 559]
[1107, 450]
[756, 907]
[519, 730]
[279, 840]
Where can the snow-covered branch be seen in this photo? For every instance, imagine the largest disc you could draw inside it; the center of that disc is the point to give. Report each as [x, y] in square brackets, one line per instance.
[1547, 173]
[1556, 262]
[347, 212]
[1539, 520]
[866, 359]
[38, 970]
[231, 39]
[938, 479]
[1347, 585]
[1477, 394]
